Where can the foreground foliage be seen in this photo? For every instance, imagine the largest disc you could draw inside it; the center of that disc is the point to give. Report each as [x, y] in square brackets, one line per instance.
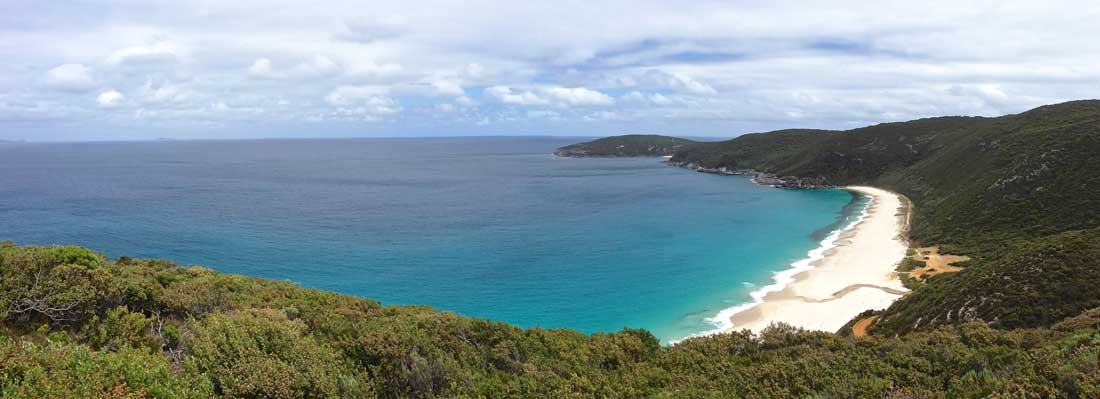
[146, 328]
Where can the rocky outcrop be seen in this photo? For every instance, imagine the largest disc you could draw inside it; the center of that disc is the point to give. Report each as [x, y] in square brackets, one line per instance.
[575, 152]
[765, 179]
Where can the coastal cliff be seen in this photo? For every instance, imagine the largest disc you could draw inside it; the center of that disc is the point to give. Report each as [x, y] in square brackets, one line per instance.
[765, 179]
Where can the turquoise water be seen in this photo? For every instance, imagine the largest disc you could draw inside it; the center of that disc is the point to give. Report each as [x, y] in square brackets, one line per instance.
[485, 227]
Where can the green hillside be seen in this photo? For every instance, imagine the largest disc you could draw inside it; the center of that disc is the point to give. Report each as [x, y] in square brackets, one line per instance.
[76, 325]
[990, 188]
[627, 146]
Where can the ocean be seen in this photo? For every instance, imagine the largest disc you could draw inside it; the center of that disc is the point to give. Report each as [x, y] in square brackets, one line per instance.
[497, 228]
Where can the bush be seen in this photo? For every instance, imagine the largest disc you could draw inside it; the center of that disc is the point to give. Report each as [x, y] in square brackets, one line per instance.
[259, 353]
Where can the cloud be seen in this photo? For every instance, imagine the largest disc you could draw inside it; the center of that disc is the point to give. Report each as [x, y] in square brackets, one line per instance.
[261, 68]
[346, 95]
[70, 77]
[650, 99]
[506, 95]
[316, 67]
[543, 114]
[369, 30]
[721, 68]
[109, 99]
[466, 101]
[367, 71]
[676, 81]
[158, 52]
[446, 87]
[163, 93]
[368, 102]
[660, 99]
[579, 96]
[474, 70]
[563, 96]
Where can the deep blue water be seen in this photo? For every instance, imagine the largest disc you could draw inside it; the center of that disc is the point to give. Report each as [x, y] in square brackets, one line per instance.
[486, 227]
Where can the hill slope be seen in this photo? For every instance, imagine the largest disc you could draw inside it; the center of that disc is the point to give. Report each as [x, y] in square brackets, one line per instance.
[81, 326]
[985, 187]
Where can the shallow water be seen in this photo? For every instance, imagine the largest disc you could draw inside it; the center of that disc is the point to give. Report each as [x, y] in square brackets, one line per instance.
[486, 227]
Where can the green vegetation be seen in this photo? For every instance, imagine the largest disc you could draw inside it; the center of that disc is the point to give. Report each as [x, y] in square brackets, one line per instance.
[146, 328]
[1036, 283]
[910, 264]
[996, 189]
[907, 265]
[627, 146]
[1019, 194]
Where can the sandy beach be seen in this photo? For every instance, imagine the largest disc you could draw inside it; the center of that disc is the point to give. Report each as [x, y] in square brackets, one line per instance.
[852, 272]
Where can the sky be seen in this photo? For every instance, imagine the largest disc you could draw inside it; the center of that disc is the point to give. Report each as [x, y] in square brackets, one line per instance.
[138, 69]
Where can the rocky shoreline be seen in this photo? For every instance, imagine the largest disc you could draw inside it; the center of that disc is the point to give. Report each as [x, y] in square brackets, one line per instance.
[566, 152]
[766, 179]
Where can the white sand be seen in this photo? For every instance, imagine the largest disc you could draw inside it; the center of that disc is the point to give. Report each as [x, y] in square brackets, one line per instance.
[856, 275]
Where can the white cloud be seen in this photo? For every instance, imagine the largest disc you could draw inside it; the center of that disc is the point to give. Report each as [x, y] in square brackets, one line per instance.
[475, 70]
[71, 77]
[677, 81]
[601, 116]
[261, 68]
[651, 98]
[367, 102]
[660, 99]
[157, 52]
[466, 101]
[446, 87]
[318, 66]
[579, 96]
[544, 114]
[372, 29]
[506, 95]
[366, 70]
[163, 93]
[719, 67]
[346, 95]
[109, 98]
[562, 96]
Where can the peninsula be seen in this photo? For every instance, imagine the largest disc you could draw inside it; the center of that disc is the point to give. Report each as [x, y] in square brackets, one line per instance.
[1002, 191]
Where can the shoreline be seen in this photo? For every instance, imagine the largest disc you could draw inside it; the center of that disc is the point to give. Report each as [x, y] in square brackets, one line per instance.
[853, 269]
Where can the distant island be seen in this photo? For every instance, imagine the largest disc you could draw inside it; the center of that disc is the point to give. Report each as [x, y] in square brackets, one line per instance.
[1002, 272]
